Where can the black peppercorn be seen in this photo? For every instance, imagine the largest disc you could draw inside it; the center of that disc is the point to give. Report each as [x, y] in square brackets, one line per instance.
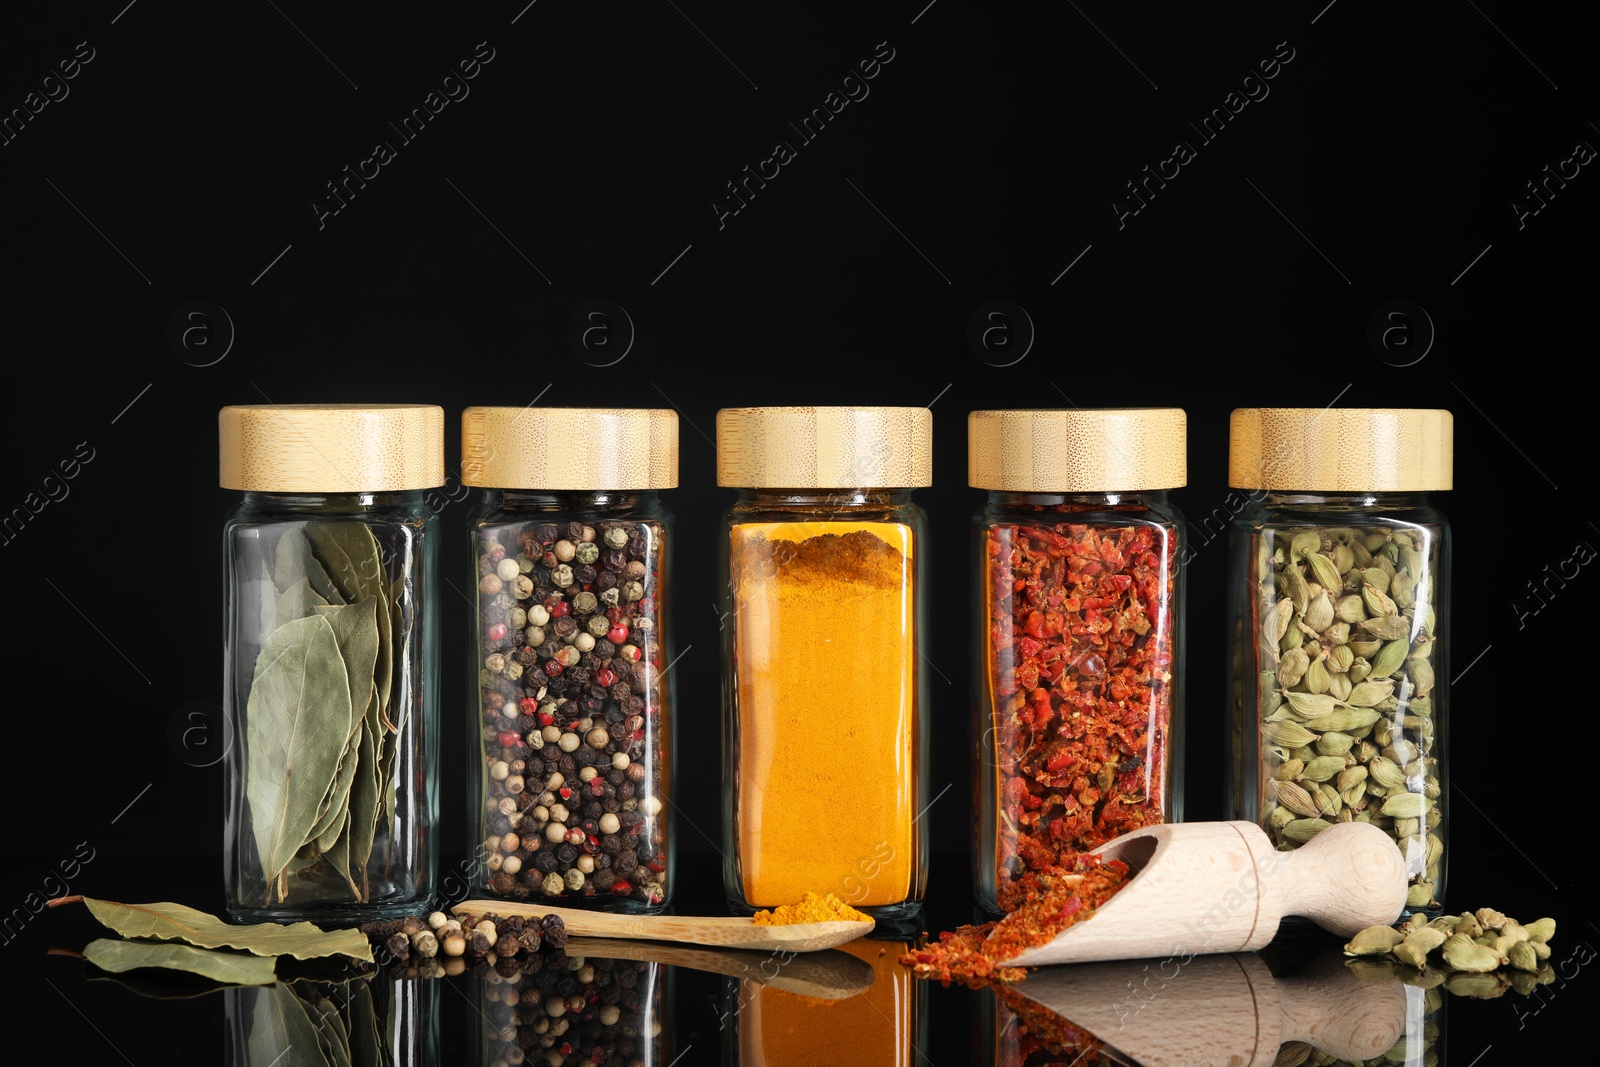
[566, 854]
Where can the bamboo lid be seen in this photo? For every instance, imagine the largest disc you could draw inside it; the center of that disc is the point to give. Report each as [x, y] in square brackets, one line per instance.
[1101, 450]
[825, 448]
[1341, 450]
[569, 448]
[331, 448]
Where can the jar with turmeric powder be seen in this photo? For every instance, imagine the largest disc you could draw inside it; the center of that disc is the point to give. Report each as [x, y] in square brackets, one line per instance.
[1077, 666]
[823, 568]
[571, 694]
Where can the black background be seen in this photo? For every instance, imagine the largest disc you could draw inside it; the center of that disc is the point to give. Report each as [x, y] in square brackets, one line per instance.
[185, 160]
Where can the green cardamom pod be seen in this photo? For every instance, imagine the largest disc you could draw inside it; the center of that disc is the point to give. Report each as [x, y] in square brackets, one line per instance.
[1316, 679]
[1378, 578]
[1387, 627]
[1365, 646]
[1302, 830]
[1421, 672]
[1522, 957]
[1339, 635]
[1404, 805]
[1340, 659]
[1334, 743]
[1277, 621]
[1373, 941]
[1426, 937]
[1297, 800]
[1359, 670]
[1288, 733]
[1339, 685]
[1295, 588]
[1325, 572]
[1319, 612]
[1465, 954]
[1407, 952]
[1303, 544]
[1350, 609]
[1389, 658]
[1377, 602]
[1420, 895]
[1403, 590]
[1311, 705]
[1541, 930]
[1343, 720]
[1289, 770]
[1370, 693]
[1350, 776]
[1343, 557]
[1323, 768]
[1292, 667]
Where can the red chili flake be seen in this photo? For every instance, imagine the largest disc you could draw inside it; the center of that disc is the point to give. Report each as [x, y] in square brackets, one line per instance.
[1080, 625]
[1051, 901]
[1037, 1035]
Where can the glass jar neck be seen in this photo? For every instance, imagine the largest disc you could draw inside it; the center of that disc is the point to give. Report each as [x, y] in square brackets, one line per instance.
[832, 498]
[570, 500]
[1365, 501]
[335, 503]
[1143, 498]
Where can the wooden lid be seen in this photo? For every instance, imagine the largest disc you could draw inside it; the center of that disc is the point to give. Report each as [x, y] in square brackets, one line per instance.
[1341, 450]
[1104, 450]
[825, 448]
[569, 448]
[331, 448]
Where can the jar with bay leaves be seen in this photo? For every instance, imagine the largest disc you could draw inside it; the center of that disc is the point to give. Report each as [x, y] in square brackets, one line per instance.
[1339, 602]
[330, 682]
[570, 692]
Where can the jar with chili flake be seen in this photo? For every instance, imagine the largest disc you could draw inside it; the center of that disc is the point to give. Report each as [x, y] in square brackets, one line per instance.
[1077, 672]
[572, 698]
[824, 690]
[1339, 605]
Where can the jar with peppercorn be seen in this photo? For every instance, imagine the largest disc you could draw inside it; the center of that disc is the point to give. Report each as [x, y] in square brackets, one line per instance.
[1339, 604]
[1078, 669]
[825, 720]
[331, 660]
[571, 733]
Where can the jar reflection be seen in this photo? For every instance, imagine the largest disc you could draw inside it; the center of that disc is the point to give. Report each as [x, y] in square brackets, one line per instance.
[363, 1021]
[554, 1008]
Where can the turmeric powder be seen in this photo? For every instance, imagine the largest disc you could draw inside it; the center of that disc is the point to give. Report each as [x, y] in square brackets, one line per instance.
[826, 690]
[812, 908]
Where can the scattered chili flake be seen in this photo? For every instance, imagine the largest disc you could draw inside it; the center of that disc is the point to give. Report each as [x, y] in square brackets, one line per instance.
[1080, 623]
[1052, 901]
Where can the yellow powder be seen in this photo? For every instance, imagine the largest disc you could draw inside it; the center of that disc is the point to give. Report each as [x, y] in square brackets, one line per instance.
[813, 908]
[826, 689]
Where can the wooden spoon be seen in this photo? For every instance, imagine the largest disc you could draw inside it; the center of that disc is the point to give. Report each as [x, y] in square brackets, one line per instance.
[826, 975]
[1223, 1009]
[1207, 887]
[717, 931]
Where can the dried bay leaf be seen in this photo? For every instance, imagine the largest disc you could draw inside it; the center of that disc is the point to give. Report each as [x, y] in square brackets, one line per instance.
[281, 1031]
[297, 723]
[335, 1036]
[232, 967]
[367, 1045]
[356, 628]
[364, 802]
[350, 553]
[295, 561]
[296, 602]
[179, 922]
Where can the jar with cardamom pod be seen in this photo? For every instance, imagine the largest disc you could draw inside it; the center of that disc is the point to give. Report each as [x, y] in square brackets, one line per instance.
[331, 654]
[571, 694]
[1339, 603]
[825, 677]
[1077, 642]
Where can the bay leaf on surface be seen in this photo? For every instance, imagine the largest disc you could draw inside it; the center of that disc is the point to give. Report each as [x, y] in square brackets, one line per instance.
[234, 967]
[350, 554]
[297, 722]
[179, 922]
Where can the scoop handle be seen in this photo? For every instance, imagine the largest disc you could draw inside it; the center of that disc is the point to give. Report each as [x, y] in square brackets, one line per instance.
[1345, 879]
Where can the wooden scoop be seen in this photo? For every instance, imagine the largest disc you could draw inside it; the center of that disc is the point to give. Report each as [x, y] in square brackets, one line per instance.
[1207, 887]
[826, 975]
[1223, 1010]
[717, 931]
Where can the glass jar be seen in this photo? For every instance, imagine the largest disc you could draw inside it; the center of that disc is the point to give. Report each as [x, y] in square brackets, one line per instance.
[1339, 601]
[330, 679]
[572, 701]
[823, 569]
[387, 1017]
[1077, 672]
